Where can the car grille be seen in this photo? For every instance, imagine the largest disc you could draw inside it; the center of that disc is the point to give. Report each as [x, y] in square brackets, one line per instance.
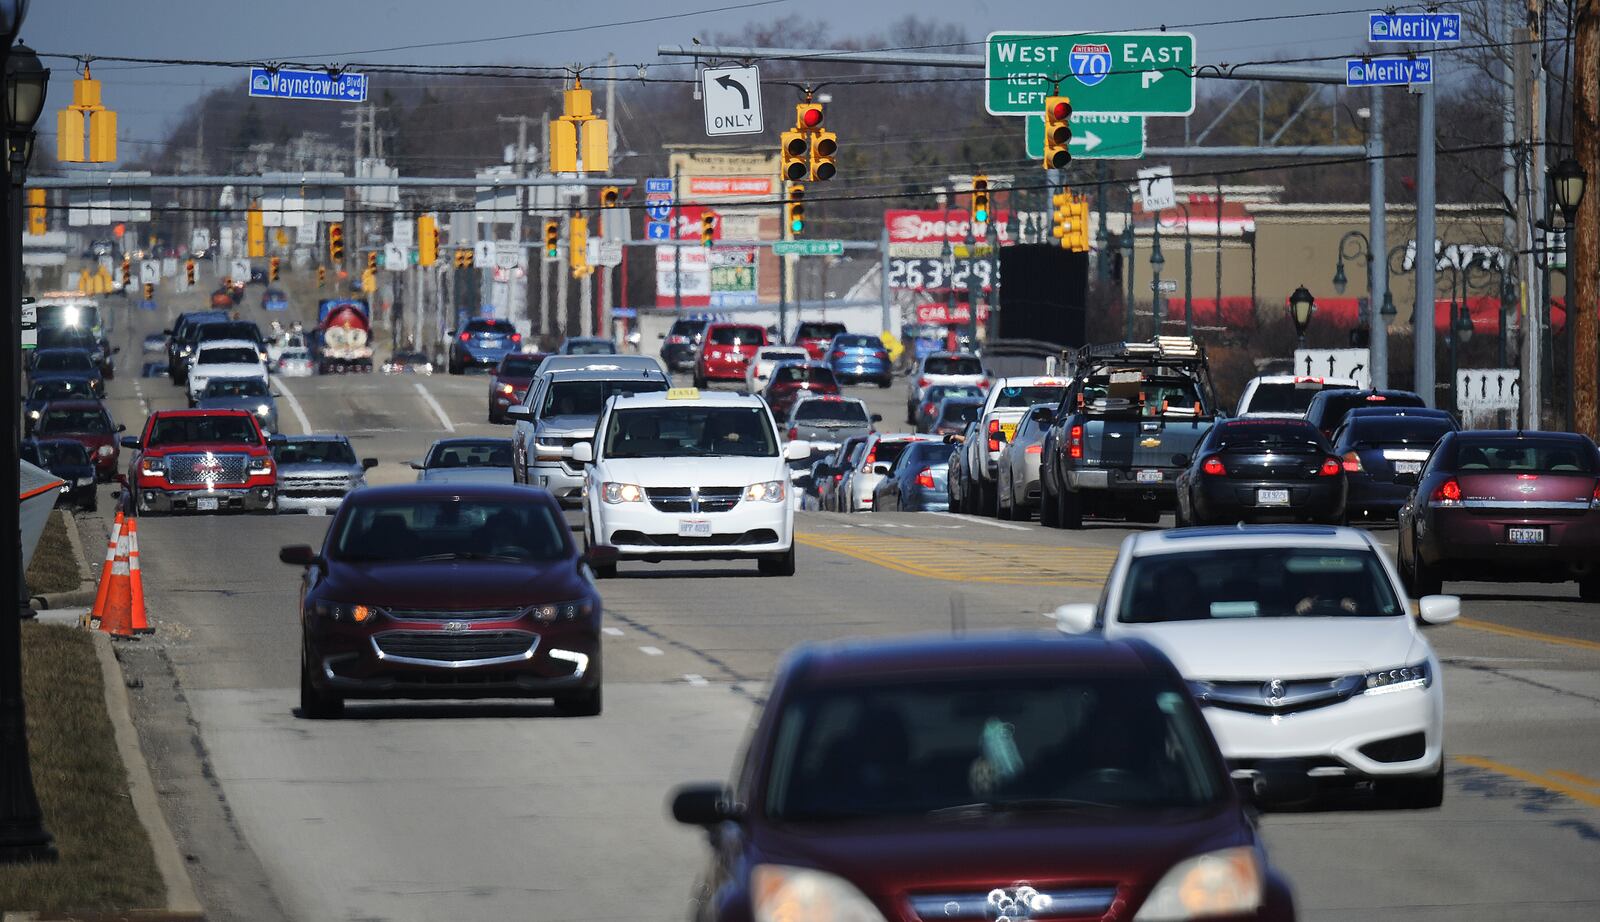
[705, 499]
[432, 614]
[454, 649]
[314, 486]
[1287, 697]
[640, 539]
[1029, 903]
[205, 467]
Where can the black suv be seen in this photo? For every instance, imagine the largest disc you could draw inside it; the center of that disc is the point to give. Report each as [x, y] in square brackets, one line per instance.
[679, 345]
[180, 344]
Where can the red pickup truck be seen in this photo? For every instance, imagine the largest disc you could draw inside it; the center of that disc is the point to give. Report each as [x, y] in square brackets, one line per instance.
[202, 461]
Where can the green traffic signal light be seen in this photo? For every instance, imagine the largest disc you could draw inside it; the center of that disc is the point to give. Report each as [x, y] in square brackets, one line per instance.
[797, 226]
[981, 216]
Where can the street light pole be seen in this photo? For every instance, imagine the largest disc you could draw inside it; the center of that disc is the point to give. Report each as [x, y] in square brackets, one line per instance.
[1157, 301]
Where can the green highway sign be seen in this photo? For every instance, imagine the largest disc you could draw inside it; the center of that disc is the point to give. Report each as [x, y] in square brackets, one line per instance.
[1094, 137]
[809, 248]
[1119, 73]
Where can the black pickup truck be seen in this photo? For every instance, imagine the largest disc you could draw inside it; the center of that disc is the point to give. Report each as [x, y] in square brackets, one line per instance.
[1124, 430]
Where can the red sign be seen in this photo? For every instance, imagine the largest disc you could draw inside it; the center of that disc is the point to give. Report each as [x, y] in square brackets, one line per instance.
[730, 185]
[689, 223]
[937, 312]
[937, 226]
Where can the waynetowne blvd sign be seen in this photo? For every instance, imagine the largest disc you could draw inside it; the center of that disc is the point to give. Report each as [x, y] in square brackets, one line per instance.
[1126, 73]
[1094, 137]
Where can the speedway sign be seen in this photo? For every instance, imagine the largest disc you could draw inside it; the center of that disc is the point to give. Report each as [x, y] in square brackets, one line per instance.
[1121, 73]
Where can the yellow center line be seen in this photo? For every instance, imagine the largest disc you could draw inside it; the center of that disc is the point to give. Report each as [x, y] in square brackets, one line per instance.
[1575, 778]
[960, 561]
[1542, 781]
[1492, 628]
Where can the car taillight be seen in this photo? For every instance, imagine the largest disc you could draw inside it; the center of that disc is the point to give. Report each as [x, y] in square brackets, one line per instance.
[994, 428]
[1033, 450]
[922, 382]
[1352, 462]
[983, 382]
[1330, 467]
[465, 337]
[869, 460]
[1595, 502]
[1213, 466]
[1449, 493]
[1075, 442]
[838, 354]
[880, 354]
[794, 433]
[837, 477]
[516, 337]
[925, 478]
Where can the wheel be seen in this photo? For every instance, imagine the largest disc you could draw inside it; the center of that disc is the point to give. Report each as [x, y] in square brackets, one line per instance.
[604, 570]
[911, 412]
[90, 504]
[1412, 793]
[699, 380]
[1179, 519]
[1048, 508]
[580, 704]
[778, 566]
[315, 705]
[494, 419]
[453, 367]
[884, 383]
[986, 499]
[1003, 510]
[1425, 579]
[1069, 510]
[1589, 588]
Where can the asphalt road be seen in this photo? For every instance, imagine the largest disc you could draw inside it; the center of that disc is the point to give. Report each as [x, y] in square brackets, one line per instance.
[491, 811]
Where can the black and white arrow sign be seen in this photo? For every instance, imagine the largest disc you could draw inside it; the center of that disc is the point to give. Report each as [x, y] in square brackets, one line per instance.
[732, 100]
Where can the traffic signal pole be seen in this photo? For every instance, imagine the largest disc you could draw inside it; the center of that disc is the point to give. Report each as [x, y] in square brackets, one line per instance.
[1427, 262]
[1377, 246]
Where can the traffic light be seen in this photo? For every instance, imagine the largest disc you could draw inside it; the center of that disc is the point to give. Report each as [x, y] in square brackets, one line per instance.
[369, 281]
[1057, 132]
[255, 232]
[552, 239]
[127, 271]
[188, 272]
[272, 269]
[37, 222]
[821, 144]
[578, 245]
[795, 155]
[372, 261]
[708, 227]
[463, 257]
[336, 243]
[86, 120]
[149, 292]
[795, 216]
[322, 275]
[1062, 219]
[609, 196]
[980, 199]
[427, 240]
[1080, 225]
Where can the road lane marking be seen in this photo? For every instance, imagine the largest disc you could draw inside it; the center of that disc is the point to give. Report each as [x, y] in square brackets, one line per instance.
[1575, 778]
[294, 406]
[434, 406]
[1492, 628]
[695, 680]
[982, 521]
[613, 631]
[1537, 780]
[972, 561]
[650, 651]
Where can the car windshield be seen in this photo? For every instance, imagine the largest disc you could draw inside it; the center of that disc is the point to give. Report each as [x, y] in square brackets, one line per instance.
[738, 336]
[239, 330]
[295, 355]
[59, 388]
[65, 360]
[228, 356]
[1287, 396]
[83, 421]
[687, 328]
[186, 430]
[856, 342]
[1257, 582]
[52, 454]
[521, 365]
[958, 411]
[819, 330]
[831, 412]
[940, 391]
[314, 451]
[1002, 743]
[485, 453]
[236, 387]
[452, 528]
[952, 365]
[690, 432]
[588, 398]
[1279, 435]
[1396, 431]
[1521, 456]
[1023, 396]
[591, 347]
[926, 454]
[797, 374]
[1150, 397]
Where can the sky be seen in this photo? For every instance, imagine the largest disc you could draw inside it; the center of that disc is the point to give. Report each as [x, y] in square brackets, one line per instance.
[150, 98]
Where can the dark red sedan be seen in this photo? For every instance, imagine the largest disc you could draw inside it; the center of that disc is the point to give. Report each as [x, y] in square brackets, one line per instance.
[1000, 776]
[1504, 506]
[449, 591]
[87, 423]
[508, 386]
[793, 380]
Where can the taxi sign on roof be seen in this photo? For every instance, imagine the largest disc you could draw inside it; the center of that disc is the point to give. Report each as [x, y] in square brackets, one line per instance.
[683, 393]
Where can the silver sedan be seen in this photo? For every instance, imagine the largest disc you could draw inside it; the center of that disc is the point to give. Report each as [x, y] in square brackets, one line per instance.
[1017, 493]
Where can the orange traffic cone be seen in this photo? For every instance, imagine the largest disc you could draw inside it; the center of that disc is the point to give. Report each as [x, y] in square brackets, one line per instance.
[99, 607]
[116, 618]
[138, 621]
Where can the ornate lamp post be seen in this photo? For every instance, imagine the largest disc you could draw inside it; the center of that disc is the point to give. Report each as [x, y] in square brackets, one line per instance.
[1301, 306]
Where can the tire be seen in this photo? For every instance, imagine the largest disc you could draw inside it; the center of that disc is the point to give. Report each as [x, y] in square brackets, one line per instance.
[580, 704]
[91, 504]
[885, 383]
[1049, 508]
[1589, 588]
[911, 412]
[604, 570]
[1179, 520]
[1003, 510]
[1412, 793]
[987, 498]
[1425, 580]
[778, 566]
[699, 381]
[453, 367]
[316, 705]
[1069, 510]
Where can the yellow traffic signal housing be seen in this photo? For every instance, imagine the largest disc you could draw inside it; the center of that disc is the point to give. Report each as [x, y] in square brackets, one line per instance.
[824, 145]
[255, 232]
[272, 268]
[427, 240]
[1057, 132]
[609, 196]
[795, 156]
[322, 276]
[552, 239]
[795, 211]
[980, 199]
[808, 116]
[372, 261]
[596, 134]
[563, 146]
[149, 292]
[369, 281]
[708, 227]
[86, 120]
[1062, 218]
[1081, 225]
[578, 244]
[127, 271]
[578, 124]
[188, 272]
[466, 257]
[336, 243]
[38, 223]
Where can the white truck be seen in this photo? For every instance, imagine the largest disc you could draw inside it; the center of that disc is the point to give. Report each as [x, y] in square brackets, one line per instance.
[1003, 409]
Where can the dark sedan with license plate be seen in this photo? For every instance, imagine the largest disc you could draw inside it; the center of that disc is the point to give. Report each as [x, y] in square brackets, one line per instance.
[1382, 456]
[482, 343]
[1504, 506]
[508, 386]
[916, 483]
[449, 591]
[1251, 470]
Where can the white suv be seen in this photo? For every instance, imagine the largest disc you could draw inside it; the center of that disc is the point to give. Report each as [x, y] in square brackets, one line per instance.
[1299, 643]
[1003, 409]
[224, 358]
[690, 475]
[1285, 396]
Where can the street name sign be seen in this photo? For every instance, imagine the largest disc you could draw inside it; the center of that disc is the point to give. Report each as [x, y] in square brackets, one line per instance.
[283, 83]
[732, 97]
[1094, 137]
[808, 248]
[1414, 27]
[1123, 73]
[1388, 71]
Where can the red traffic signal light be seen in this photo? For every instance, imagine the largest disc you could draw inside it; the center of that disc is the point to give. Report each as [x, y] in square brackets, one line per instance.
[808, 116]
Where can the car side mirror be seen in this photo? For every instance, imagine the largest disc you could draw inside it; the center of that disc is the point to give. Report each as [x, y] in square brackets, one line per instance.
[704, 805]
[166, 332]
[368, 464]
[297, 555]
[1277, 783]
[417, 465]
[519, 412]
[277, 438]
[1044, 417]
[449, 333]
[661, 336]
[129, 441]
[1075, 618]
[583, 452]
[798, 450]
[121, 428]
[881, 467]
[115, 349]
[1180, 460]
[600, 555]
[1439, 609]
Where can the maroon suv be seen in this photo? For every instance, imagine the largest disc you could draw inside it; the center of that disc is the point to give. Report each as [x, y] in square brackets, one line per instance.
[449, 590]
[984, 777]
[1512, 506]
[508, 386]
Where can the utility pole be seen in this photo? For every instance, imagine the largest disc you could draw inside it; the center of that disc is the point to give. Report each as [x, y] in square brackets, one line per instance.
[547, 314]
[1427, 260]
[603, 324]
[1526, 180]
[1584, 246]
[517, 310]
[677, 252]
[1377, 247]
[563, 274]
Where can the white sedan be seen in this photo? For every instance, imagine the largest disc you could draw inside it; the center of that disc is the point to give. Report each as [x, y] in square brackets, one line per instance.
[1298, 642]
[759, 370]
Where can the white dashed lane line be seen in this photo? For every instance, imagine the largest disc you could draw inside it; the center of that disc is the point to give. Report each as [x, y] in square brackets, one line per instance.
[294, 407]
[433, 405]
[613, 631]
[650, 651]
[695, 680]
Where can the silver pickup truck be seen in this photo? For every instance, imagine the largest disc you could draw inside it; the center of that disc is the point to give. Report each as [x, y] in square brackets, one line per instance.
[561, 410]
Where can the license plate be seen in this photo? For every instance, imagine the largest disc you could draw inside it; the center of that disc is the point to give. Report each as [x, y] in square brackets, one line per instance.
[206, 503]
[1272, 497]
[1525, 535]
[1147, 477]
[1407, 467]
[694, 528]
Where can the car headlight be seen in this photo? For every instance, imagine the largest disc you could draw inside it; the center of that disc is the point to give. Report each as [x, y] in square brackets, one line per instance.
[343, 611]
[790, 894]
[260, 466]
[155, 467]
[1383, 681]
[562, 611]
[621, 493]
[507, 389]
[1227, 882]
[85, 481]
[105, 451]
[34, 413]
[772, 492]
[263, 409]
